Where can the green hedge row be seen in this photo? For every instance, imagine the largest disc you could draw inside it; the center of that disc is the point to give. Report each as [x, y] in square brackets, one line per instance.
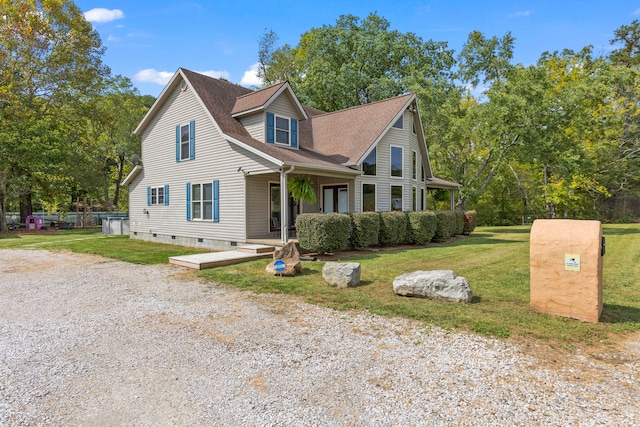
[333, 232]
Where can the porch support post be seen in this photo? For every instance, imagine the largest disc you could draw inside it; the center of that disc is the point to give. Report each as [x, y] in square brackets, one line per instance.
[452, 201]
[284, 205]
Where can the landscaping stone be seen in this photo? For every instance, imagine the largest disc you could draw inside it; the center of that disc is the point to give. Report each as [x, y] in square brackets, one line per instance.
[341, 274]
[435, 284]
[291, 257]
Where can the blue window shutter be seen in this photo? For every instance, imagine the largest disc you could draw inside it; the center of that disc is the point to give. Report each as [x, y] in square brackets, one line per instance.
[216, 201]
[177, 143]
[166, 194]
[192, 139]
[148, 196]
[188, 201]
[270, 128]
[294, 133]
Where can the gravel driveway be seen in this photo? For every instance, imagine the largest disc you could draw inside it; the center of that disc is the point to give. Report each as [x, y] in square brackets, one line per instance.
[88, 341]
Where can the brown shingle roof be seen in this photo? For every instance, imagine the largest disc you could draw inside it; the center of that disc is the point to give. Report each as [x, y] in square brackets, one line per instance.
[256, 99]
[219, 97]
[326, 140]
[351, 132]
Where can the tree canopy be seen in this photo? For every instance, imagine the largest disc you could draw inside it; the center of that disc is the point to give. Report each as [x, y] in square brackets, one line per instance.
[559, 138]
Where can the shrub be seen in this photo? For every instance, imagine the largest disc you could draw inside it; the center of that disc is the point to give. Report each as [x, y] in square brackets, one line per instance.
[459, 216]
[445, 225]
[469, 222]
[365, 229]
[393, 228]
[326, 232]
[422, 227]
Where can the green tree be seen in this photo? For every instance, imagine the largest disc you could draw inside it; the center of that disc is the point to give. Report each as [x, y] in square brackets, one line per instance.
[50, 71]
[356, 61]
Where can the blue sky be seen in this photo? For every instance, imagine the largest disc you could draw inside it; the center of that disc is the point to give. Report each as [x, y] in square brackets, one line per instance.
[148, 40]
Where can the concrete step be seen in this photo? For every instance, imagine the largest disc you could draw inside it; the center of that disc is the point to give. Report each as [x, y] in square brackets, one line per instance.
[255, 249]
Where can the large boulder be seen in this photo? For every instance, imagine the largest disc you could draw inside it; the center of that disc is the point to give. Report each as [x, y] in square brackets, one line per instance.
[341, 274]
[435, 284]
[291, 257]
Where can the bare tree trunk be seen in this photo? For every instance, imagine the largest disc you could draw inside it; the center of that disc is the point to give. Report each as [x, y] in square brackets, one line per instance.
[551, 209]
[26, 206]
[116, 196]
[4, 201]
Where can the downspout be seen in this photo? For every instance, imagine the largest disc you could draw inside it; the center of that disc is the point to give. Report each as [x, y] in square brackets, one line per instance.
[284, 205]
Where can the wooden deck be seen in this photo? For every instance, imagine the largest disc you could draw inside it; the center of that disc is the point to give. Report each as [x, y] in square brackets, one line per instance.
[217, 259]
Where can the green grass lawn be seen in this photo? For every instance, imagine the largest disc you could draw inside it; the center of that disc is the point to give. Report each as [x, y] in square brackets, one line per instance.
[90, 241]
[495, 261]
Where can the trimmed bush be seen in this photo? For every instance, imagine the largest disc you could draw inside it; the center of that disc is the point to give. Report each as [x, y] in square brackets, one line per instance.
[445, 226]
[365, 229]
[325, 232]
[393, 228]
[459, 215]
[469, 222]
[422, 227]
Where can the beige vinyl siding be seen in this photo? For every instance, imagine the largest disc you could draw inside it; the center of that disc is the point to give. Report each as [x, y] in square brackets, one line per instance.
[215, 159]
[255, 125]
[406, 139]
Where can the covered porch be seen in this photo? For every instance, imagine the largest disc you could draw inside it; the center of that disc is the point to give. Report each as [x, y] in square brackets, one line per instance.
[270, 217]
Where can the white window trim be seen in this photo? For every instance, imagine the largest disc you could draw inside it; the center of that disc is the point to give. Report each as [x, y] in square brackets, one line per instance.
[157, 200]
[393, 126]
[423, 197]
[414, 165]
[201, 201]
[391, 196]
[275, 130]
[375, 149]
[187, 143]
[414, 200]
[375, 196]
[391, 147]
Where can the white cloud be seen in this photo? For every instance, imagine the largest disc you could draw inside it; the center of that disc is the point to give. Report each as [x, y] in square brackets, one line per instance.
[113, 38]
[150, 75]
[636, 12]
[519, 14]
[250, 77]
[216, 74]
[101, 14]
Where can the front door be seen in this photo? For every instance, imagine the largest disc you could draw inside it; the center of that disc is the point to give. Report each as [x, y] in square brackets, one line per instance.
[335, 198]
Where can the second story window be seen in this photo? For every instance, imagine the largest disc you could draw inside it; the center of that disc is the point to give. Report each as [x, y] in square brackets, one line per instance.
[369, 164]
[186, 142]
[282, 130]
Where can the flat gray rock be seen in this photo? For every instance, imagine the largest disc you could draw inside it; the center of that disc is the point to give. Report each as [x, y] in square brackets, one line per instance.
[434, 284]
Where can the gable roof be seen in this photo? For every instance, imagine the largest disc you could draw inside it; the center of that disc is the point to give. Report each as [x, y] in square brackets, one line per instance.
[322, 135]
[260, 100]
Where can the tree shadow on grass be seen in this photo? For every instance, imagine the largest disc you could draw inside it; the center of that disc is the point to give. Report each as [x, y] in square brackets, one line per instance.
[613, 313]
[621, 231]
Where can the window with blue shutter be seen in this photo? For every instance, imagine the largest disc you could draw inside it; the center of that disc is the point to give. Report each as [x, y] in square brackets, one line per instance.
[270, 128]
[177, 143]
[192, 140]
[148, 196]
[294, 133]
[216, 201]
[166, 194]
[188, 201]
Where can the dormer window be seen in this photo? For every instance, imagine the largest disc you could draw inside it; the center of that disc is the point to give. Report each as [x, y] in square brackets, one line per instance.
[282, 130]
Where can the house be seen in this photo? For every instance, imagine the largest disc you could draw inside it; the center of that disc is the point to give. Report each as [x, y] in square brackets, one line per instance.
[217, 158]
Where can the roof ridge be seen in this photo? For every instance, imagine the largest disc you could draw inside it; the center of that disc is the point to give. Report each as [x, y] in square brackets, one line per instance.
[364, 105]
[253, 92]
